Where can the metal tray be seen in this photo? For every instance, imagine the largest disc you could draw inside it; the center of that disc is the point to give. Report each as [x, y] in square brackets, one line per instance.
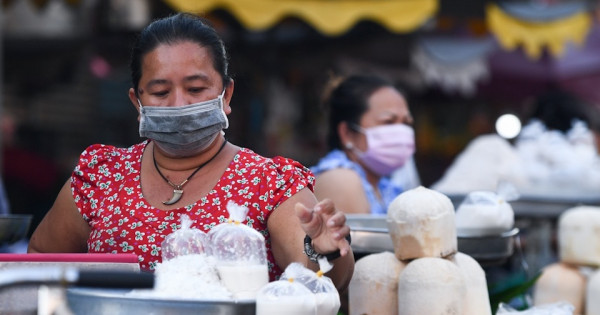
[540, 206]
[103, 301]
[370, 235]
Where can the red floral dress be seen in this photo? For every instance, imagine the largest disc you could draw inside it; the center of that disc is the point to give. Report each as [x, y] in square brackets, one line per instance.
[106, 188]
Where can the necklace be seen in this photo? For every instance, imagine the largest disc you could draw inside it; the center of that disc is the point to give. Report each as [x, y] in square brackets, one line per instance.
[178, 189]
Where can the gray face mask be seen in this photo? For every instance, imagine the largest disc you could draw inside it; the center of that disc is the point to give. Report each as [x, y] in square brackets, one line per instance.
[183, 130]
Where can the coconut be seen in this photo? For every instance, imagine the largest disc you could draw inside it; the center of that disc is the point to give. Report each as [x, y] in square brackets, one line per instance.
[421, 222]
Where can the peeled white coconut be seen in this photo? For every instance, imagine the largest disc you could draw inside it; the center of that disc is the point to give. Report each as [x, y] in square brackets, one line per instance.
[484, 213]
[421, 224]
[432, 286]
[579, 236]
[592, 302]
[477, 300]
[560, 282]
[374, 285]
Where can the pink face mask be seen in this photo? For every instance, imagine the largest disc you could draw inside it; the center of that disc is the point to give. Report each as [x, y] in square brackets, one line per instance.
[389, 147]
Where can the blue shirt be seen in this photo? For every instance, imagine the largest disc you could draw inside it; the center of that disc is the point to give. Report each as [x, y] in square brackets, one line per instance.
[387, 188]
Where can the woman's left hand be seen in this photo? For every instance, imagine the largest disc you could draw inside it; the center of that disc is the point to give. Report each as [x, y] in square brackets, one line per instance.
[326, 226]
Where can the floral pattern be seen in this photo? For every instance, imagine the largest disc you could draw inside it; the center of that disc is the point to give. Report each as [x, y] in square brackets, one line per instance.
[106, 188]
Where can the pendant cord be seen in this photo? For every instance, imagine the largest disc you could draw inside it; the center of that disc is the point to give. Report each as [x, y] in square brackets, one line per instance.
[189, 177]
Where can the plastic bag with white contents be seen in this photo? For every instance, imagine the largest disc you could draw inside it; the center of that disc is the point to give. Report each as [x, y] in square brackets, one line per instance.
[326, 295]
[559, 308]
[185, 241]
[285, 297]
[241, 254]
[486, 212]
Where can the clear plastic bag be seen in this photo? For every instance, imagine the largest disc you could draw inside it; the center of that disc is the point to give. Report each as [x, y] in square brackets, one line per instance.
[185, 241]
[241, 254]
[285, 297]
[560, 308]
[486, 212]
[326, 295]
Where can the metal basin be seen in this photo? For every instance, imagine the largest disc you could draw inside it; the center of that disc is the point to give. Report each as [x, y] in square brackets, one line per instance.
[103, 301]
[370, 235]
[488, 248]
[14, 227]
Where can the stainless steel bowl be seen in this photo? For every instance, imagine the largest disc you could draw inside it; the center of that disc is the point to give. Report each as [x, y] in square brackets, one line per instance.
[370, 235]
[488, 248]
[14, 227]
[102, 301]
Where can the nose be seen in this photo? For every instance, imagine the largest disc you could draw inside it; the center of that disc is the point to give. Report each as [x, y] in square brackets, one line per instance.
[179, 98]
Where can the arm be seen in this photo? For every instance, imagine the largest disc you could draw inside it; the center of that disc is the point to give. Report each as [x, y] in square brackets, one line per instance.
[63, 229]
[344, 188]
[301, 215]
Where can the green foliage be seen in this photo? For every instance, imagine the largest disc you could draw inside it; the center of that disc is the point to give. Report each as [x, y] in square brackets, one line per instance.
[515, 287]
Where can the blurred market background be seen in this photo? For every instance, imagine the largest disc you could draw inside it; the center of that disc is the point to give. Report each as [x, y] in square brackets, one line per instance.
[462, 63]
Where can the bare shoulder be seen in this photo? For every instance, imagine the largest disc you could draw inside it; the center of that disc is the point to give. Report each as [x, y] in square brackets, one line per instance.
[337, 176]
[344, 187]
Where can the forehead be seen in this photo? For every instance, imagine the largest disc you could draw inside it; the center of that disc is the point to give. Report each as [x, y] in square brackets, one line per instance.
[387, 100]
[180, 59]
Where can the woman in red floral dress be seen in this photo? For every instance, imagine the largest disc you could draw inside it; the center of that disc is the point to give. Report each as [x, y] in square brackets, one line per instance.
[126, 200]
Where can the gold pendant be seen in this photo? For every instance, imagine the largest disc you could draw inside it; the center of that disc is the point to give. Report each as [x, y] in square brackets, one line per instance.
[177, 193]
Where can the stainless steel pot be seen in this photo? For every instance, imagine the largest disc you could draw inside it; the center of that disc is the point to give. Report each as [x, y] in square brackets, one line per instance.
[14, 227]
[370, 235]
[103, 301]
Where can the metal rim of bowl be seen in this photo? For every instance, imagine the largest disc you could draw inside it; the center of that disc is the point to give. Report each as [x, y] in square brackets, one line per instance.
[507, 234]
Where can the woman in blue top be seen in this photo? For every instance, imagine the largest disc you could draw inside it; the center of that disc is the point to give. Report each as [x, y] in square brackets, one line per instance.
[370, 136]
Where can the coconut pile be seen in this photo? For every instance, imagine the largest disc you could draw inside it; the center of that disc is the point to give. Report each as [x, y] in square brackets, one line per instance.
[541, 162]
[425, 274]
[575, 278]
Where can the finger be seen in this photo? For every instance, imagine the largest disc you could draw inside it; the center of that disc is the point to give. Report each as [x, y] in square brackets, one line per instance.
[345, 249]
[343, 243]
[325, 206]
[333, 240]
[340, 233]
[303, 213]
[338, 219]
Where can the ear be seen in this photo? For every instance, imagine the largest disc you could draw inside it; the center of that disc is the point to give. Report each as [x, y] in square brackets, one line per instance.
[227, 97]
[344, 133]
[134, 100]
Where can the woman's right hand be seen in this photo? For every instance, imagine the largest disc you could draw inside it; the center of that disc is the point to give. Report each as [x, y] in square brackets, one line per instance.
[326, 226]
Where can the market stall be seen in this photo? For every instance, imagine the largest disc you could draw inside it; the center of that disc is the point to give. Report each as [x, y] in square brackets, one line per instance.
[441, 62]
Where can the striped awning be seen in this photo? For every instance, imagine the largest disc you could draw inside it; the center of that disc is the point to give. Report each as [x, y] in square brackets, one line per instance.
[330, 17]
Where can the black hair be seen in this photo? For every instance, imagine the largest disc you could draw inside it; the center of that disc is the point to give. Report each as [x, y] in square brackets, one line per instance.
[347, 101]
[175, 29]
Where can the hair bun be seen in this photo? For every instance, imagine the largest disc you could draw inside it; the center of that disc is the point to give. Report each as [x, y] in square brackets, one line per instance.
[333, 82]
